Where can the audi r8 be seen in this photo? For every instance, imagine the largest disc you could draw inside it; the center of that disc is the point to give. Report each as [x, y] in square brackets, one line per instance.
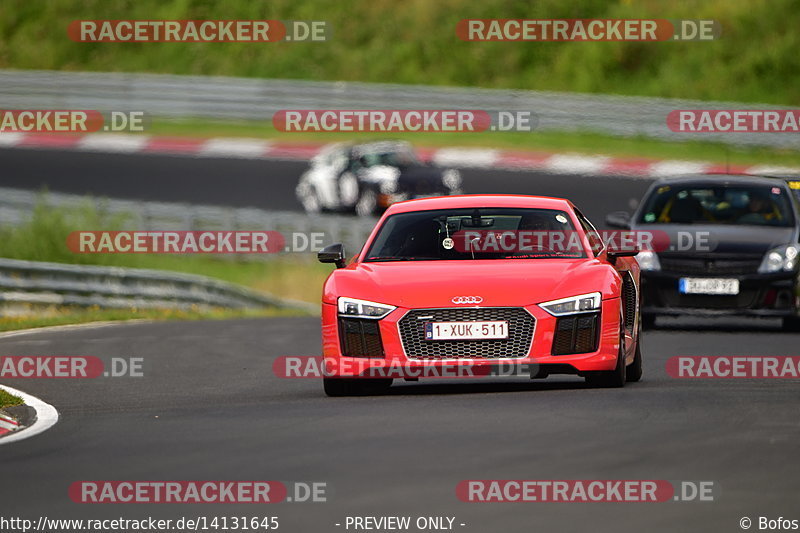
[367, 178]
[733, 247]
[451, 281]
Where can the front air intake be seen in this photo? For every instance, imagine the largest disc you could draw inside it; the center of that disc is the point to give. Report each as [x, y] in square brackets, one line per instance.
[360, 337]
[576, 334]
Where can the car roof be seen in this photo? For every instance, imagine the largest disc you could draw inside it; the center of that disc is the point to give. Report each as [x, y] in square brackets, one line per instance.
[480, 200]
[717, 179]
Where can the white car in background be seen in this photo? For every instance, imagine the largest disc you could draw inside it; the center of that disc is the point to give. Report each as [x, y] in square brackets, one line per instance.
[367, 178]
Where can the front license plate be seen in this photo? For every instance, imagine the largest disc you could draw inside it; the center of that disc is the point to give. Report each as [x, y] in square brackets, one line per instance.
[445, 331]
[708, 286]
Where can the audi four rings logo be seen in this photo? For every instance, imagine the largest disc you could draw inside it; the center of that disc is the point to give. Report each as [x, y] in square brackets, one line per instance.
[467, 300]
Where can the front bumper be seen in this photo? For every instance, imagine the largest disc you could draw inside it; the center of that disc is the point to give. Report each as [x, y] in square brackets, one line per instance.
[767, 295]
[538, 356]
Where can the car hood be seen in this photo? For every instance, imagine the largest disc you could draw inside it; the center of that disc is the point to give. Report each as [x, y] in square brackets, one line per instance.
[724, 239]
[498, 282]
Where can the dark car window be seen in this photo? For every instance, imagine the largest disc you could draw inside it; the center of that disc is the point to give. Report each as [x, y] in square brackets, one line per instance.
[484, 233]
[752, 205]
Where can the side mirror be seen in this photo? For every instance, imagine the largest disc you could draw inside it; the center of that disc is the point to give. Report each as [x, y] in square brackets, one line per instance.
[332, 254]
[619, 219]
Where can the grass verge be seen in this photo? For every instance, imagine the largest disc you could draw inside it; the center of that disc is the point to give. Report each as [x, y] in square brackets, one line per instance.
[43, 238]
[7, 399]
[38, 318]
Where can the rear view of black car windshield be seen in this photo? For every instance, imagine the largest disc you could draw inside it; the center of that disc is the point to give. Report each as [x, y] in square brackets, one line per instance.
[449, 234]
[751, 205]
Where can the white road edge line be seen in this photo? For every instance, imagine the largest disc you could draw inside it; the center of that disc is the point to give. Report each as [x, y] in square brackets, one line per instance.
[70, 327]
[46, 417]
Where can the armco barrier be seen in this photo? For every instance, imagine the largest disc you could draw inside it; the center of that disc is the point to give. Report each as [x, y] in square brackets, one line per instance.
[259, 99]
[38, 283]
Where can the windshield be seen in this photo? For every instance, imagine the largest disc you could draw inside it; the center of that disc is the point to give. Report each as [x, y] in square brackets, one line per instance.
[752, 205]
[483, 233]
[396, 157]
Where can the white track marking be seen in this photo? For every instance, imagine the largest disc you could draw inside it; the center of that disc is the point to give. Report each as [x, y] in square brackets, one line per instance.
[246, 148]
[466, 157]
[70, 327]
[46, 417]
[576, 164]
[113, 142]
[11, 138]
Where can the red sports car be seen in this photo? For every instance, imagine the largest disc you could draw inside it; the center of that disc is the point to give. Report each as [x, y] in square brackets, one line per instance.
[479, 281]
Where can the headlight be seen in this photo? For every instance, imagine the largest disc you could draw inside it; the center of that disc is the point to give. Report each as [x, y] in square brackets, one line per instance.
[574, 304]
[363, 309]
[648, 260]
[780, 259]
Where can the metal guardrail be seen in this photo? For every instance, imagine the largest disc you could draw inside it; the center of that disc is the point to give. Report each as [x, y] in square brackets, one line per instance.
[17, 205]
[37, 283]
[30, 282]
[259, 99]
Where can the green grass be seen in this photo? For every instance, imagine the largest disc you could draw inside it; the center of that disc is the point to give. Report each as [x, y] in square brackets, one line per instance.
[587, 143]
[38, 318]
[414, 41]
[43, 238]
[7, 400]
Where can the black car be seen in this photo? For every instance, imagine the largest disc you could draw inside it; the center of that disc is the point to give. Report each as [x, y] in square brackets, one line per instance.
[792, 180]
[723, 245]
[367, 178]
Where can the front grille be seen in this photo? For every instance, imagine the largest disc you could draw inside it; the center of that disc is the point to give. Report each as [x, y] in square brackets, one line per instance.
[518, 343]
[360, 337]
[576, 334]
[723, 265]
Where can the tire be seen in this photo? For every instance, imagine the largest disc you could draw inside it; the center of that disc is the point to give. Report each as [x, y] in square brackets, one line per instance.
[649, 321]
[633, 372]
[337, 387]
[791, 324]
[610, 379]
[309, 198]
[367, 203]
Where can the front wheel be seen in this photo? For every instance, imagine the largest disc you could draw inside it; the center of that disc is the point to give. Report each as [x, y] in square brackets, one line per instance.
[608, 379]
[633, 372]
[309, 198]
[337, 387]
[367, 203]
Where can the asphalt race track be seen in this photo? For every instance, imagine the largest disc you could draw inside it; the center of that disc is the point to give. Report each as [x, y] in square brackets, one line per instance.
[209, 408]
[267, 184]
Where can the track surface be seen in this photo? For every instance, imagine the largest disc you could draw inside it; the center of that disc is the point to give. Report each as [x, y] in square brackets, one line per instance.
[210, 408]
[266, 184]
